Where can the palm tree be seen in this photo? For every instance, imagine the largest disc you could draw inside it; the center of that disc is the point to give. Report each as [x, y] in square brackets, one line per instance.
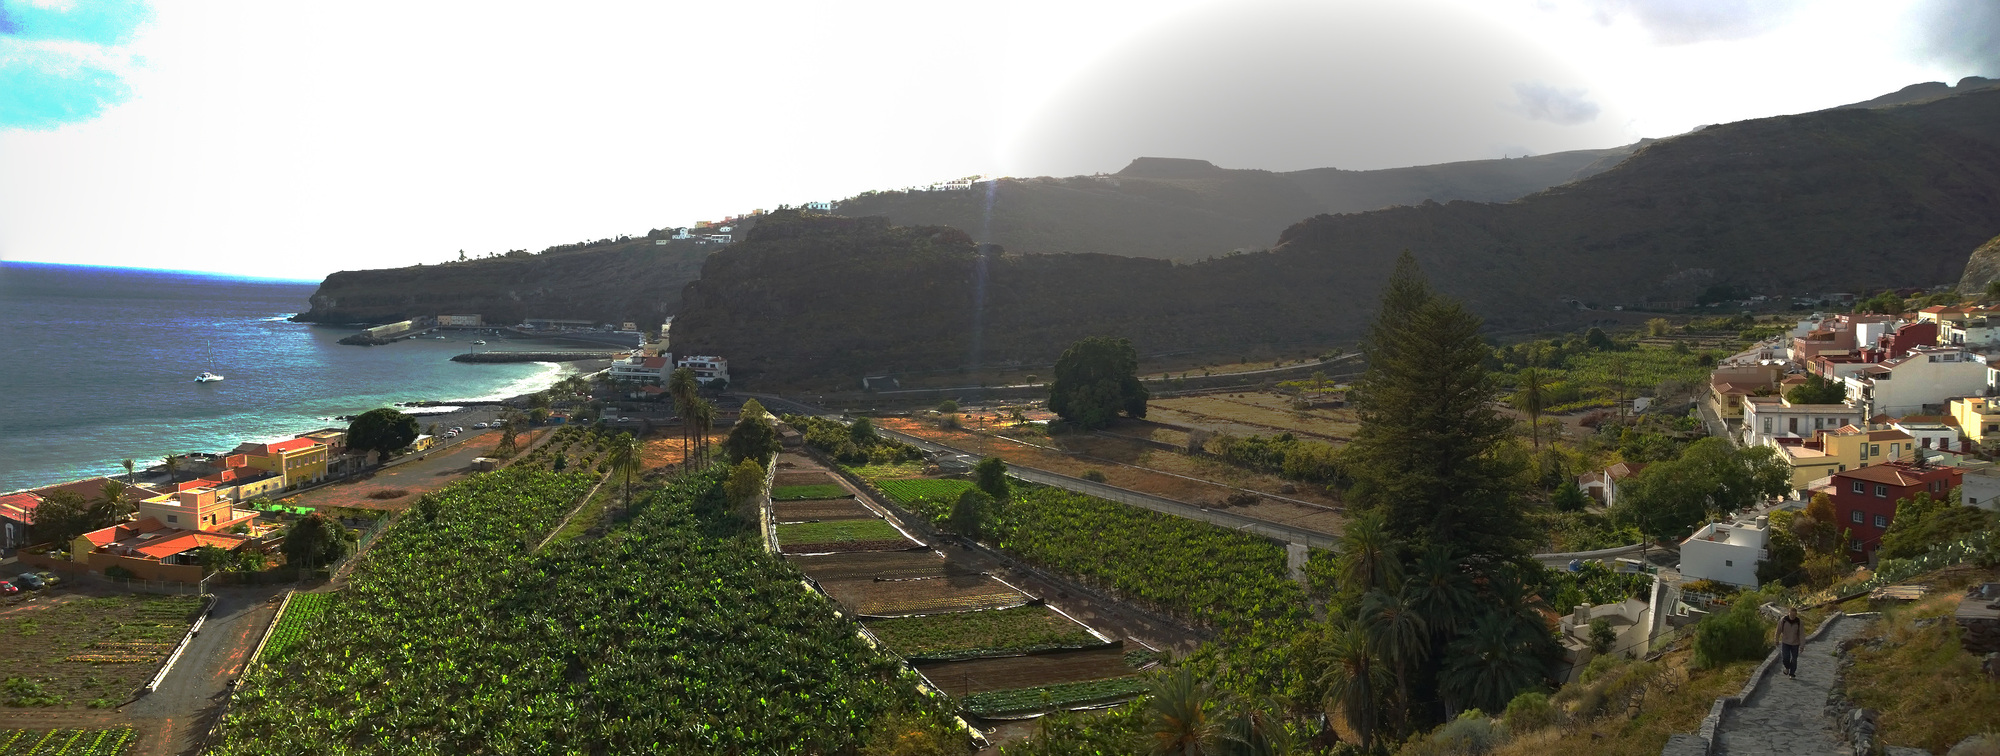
[625, 459]
[1530, 398]
[1398, 634]
[1181, 715]
[1259, 730]
[112, 499]
[1487, 666]
[1351, 681]
[128, 471]
[683, 387]
[1368, 558]
[173, 469]
[1441, 592]
[703, 419]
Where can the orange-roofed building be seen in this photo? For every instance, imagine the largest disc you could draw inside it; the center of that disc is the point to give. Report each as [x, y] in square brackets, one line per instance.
[150, 549]
[17, 516]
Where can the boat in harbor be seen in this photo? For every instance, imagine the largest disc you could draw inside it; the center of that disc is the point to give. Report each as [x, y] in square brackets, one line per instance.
[207, 377]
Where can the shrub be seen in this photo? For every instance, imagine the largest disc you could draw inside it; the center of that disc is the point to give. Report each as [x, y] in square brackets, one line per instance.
[1094, 476]
[1471, 733]
[1529, 712]
[1602, 637]
[1737, 634]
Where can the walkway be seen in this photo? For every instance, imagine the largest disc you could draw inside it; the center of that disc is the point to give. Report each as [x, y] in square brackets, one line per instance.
[1787, 715]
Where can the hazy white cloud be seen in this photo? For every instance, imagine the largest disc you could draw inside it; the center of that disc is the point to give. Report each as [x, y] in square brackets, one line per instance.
[1962, 34]
[1568, 107]
[64, 62]
[1678, 22]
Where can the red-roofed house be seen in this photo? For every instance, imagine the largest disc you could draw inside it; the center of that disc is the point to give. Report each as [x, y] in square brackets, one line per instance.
[150, 549]
[17, 515]
[641, 368]
[1864, 499]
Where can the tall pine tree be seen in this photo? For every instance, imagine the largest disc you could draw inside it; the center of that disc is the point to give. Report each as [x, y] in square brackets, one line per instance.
[1425, 454]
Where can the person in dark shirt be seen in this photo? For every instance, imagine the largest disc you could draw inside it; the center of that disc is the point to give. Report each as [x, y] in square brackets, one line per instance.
[1791, 632]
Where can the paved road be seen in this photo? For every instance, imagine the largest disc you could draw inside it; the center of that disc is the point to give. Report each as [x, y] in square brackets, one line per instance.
[1786, 715]
[177, 715]
[1267, 529]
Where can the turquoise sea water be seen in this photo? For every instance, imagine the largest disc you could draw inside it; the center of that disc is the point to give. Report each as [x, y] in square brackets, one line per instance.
[99, 366]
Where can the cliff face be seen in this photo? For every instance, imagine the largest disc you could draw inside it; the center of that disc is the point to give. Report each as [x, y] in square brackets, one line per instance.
[633, 280]
[1842, 200]
[1982, 269]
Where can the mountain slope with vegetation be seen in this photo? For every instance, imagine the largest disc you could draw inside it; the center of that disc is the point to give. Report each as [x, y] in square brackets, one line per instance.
[1181, 209]
[1840, 200]
[608, 281]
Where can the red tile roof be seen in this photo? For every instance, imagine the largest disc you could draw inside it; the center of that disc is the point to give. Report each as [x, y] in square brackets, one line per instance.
[655, 363]
[292, 445]
[20, 507]
[1892, 474]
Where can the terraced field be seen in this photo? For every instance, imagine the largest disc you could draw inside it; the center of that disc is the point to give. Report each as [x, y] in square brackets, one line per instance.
[822, 509]
[984, 633]
[816, 491]
[965, 678]
[841, 535]
[877, 598]
[879, 565]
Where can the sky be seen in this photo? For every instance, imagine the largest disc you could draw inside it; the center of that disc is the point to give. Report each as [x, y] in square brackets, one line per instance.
[291, 140]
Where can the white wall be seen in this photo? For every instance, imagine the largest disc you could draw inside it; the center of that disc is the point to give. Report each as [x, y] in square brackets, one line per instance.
[1721, 562]
[1981, 488]
[1920, 381]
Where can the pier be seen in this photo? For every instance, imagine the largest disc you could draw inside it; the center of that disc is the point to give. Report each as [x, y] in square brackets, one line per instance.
[534, 356]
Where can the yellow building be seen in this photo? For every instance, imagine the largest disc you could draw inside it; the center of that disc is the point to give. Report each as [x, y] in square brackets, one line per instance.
[1848, 448]
[300, 461]
[1978, 418]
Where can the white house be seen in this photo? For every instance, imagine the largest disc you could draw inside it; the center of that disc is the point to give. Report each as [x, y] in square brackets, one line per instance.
[706, 369]
[682, 233]
[1930, 435]
[1903, 386]
[819, 207]
[1725, 552]
[1974, 332]
[1769, 418]
[1603, 486]
[640, 368]
[719, 238]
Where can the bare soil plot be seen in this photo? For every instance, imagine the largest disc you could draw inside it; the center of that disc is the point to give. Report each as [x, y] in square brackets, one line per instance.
[1252, 413]
[1164, 478]
[882, 565]
[1000, 630]
[822, 509]
[96, 649]
[961, 678]
[803, 478]
[668, 449]
[900, 598]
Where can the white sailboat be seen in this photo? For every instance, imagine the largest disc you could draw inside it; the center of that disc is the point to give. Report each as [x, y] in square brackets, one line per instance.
[209, 375]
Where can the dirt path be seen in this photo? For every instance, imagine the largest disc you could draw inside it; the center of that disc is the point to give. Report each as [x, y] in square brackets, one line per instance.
[175, 718]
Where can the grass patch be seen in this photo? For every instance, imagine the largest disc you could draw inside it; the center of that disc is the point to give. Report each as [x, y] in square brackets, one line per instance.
[1930, 691]
[1663, 714]
[1020, 629]
[1047, 697]
[888, 470]
[817, 491]
[586, 518]
[835, 531]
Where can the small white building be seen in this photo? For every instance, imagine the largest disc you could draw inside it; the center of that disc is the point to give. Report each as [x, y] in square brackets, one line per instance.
[1905, 385]
[719, 238]
[683, 233]
[819, 207]
[1769, 418]
[706, 369]
[640, 368]
[1726, 552]
[1929, 435]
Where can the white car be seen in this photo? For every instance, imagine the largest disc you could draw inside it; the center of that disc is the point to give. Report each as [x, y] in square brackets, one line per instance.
[478, 425]
[458, 429]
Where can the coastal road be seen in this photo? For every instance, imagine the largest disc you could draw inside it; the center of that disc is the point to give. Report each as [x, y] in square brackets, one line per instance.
[1276, 531]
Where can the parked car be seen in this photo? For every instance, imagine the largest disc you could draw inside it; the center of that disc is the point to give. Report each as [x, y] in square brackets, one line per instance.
[478, 425]
[49, 577]
[30, 582]
[458, 429]
[8, 589]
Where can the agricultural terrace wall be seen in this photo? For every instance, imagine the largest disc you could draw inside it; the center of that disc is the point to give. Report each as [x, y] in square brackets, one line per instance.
[145, 569]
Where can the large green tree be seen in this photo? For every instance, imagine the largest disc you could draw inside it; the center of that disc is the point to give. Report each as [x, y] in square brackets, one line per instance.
[64, 515]
[1711, 477]
[1817, 390]
[381, 431]
[316, 541]
[1096, 379]
[753, 437]
[1426, 453]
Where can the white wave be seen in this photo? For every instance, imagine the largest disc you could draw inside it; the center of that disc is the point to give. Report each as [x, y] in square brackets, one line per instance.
[548, 375]
[276, 319]
[438, 410]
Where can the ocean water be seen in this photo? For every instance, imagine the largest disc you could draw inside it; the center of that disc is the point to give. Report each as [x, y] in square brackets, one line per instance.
[99, 366]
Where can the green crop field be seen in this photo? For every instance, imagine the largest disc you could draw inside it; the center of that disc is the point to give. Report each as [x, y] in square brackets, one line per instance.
[109, 742]
[925, 496]
[1053, 696]
[299, 614]
[940, 636]
[818, 491]
[675, 633]
[836, 531]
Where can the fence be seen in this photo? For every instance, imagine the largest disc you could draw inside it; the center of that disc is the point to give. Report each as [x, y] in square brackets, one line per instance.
[163, 587]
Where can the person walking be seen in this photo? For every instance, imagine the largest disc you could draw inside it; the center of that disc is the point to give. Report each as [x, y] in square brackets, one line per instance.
[1791, 632]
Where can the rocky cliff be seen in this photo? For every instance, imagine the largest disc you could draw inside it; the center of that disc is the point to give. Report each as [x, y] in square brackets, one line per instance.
[1982, 269]
[635, 280]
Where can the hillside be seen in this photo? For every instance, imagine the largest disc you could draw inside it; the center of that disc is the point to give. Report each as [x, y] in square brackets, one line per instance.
[1982, 268]
[1839, 200]
[610, 281]
[1181, 209]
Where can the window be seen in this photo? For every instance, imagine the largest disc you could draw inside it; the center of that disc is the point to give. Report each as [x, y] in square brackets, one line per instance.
[1875, 449]
[1794, 426]
[1767, 426]
[1881, 491]
[1860, 487]
[1856, 515]
[1881, 521]
[1927, 442]
[1729, 563]
[1854, 545]
[173, 518]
